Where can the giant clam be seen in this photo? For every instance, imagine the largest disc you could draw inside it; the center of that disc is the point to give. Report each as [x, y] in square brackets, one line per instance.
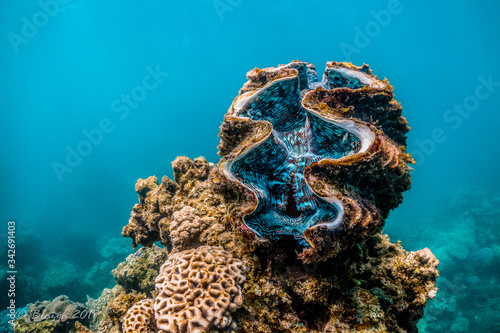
[316, 159]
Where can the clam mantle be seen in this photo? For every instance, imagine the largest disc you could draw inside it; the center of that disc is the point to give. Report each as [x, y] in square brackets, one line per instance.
[315, 157]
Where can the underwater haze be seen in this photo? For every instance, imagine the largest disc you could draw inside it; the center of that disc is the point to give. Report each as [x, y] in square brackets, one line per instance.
[94, 95]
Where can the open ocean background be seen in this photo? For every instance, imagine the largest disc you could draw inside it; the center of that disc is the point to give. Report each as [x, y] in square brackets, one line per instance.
[64, 70]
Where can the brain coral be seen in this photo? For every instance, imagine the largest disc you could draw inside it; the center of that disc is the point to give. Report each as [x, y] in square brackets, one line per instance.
[197, 289]
[140, 318]
[317, 156]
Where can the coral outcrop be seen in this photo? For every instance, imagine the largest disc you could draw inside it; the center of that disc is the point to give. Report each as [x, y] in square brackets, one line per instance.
[464, 234]
[140, 318]
[58, 315]
[376, 287]
[197, 289]
[152, 217]
[188, 229]
[109, 310]
[140, 269]
[283, 234]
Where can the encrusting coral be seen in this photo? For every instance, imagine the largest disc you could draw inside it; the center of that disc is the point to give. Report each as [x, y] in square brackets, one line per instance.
[284, 233]
[140, 269]
[188, 229]
[58, 315]
[150, 219]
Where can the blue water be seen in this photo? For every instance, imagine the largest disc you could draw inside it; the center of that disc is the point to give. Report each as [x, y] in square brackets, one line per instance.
[70, 74]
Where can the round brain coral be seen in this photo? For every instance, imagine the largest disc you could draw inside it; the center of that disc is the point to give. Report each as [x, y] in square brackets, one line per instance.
[140, 318]
[197, 289]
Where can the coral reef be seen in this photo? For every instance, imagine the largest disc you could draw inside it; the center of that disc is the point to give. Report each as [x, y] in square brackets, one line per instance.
[58, 315]
[464, 236]
[150, 219]
[135, 279]
[109, 310]
[197, 289]
[140, 269]
[4, 322]
[65, 275]
[49, 272]
[188, 229]
[283, 234]
[309, 172]
[8, 316]
[377, 287]
[113, 247]
[140, 318]
[80, 328]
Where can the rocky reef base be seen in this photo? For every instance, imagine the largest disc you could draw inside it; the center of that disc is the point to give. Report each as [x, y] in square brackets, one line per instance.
[375, 286]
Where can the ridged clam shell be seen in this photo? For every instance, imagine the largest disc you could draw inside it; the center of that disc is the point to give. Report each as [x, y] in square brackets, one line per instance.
[315, 154]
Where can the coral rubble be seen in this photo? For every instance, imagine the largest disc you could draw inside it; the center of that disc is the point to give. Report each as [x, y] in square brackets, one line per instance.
[283, 234]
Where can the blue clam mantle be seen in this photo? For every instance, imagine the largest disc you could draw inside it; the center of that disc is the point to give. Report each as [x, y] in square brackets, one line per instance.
[273, 167]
